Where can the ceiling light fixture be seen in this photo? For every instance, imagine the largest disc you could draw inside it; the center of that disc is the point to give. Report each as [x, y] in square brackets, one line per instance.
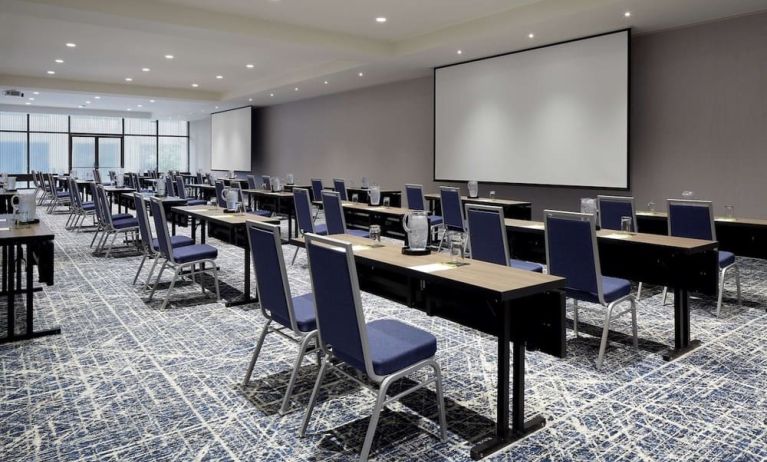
[271, 95]
[325, 82]
[250, 66]
[51, 72]
[129, 109]
[151, 101]
[250, 100]
[531, 35]
[361, 74]
[31, 99]
[139, 105]
[27, 103]
[219, 77]
[97, 97]
[59, 61]
[128, 79]
[145, 69]
[169, 56]
[627, 14]
[35, 92]
[80, 106]
[460, 52]
[71, 45]
[295, 89]
[380, 19]
[87, 102]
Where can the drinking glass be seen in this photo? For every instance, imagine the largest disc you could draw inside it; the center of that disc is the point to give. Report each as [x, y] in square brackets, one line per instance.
[688, 195]
[375, 232]
[626, 224]
[355, 198]
[456, 248]
[492, 195]
[386, 201]
[651, 206]
[729, 212]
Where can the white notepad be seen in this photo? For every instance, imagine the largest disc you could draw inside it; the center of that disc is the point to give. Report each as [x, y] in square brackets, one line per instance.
[433, 267]
[617, 236]
[5, 229]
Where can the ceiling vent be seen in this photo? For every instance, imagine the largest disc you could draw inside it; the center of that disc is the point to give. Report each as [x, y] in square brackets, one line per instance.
[15, 93]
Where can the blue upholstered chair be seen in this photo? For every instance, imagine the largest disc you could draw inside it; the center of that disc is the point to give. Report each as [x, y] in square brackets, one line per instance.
[79, 210]
[150, 246]
[252, 182]
[199, 178]
[110, 224]
[181, 192]
[57, 197]
[198, 258]
[572, 253]
[452, 212]
[266, 180]
[487, 238]
[339, 185]
[304, 219]
[211, 179]
[317, 189]
[334, 216]
[220, 200]
[695, 219]
[416, 201]
[611, 211]
[170, 189]
[295, 315]
[385, 350]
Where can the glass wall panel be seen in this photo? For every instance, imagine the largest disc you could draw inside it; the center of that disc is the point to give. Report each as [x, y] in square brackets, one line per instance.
[48, 123]
[13, 121]
[140, 127]
[91, 124]
[173, 154]
[13, 152]
[172, 127]
[140, 153]
[49, 152]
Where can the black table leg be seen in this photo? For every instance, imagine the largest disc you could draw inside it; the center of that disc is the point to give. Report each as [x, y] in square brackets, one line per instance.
[202, 231]
[194, 229]
[682, 342]
[519, 427]
[245, 298]
[11, 293]
[5, 269]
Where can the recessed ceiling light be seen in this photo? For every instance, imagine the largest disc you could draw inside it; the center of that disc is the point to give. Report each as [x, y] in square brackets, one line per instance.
[627, 14]
[195, 85]
[139, 105]
[128, 79]
[51, 72]
[169, 56]
[71, 45]
[31, 98]
[145, 69]
[97, 97]
[295, 89]
[219, 77]
[35, 92]
[381, 19]
[361, 74]
[151, 101]
[250, 66]
[27, 103]
[325, 82]
[87, 102]
[128, 109]
[271, 95]
[80, 106]
[59, 61]
[250, 100]
[531, 35]
[216, 107]
[460, 52]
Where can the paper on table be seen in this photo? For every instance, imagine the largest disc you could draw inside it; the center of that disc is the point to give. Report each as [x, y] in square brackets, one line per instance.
[5, 229]
[432, 267]
[618, 236]
[535, 226]
[220, 217]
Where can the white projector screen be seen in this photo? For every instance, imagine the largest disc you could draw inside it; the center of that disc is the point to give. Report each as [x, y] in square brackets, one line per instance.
[231, 133]
[556, 115]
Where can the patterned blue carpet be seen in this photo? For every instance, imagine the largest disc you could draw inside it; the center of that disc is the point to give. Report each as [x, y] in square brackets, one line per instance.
[126, 381]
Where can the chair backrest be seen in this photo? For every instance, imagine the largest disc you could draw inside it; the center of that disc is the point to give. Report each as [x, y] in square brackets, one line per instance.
[51, 183]
[199, 178]
[74, 194]
[271, 278]
[303, 210]
[180, 188]
[267, 181]
[415, 200]
[211, 180]
[571, 251]
[613, 208]
[170, 191]
[96, 176]
[487, 234]
[100, 213]
[317, 189]
[161, 226]
[106, 209]
[694, 219]
[252, 182]
[334, 212]
[143, 221]
[220, 194]
[339, 185]
[340, 320]
[452, 212]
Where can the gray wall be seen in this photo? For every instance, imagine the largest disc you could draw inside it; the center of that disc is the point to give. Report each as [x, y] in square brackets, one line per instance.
[698, 121]
[199, 144]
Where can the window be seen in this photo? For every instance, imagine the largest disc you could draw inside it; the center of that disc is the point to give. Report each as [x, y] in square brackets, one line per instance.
[140, 153]
[172, 127]
[91, 124]
[48, 123]
[15, 121]
[172, 154]
[13, 152]
[140, 127]
[49, 152]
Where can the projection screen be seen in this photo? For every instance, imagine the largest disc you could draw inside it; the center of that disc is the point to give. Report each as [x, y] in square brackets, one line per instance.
[555, 115]
[231, 133]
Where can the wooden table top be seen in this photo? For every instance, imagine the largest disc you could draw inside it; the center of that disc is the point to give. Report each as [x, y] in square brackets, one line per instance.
[380, 209]
[25, 233]
[480, 200]
[201, 186]
[507, 282]
[642, 238]
[367, 190]
[265, 193]
[736, 220]
[117, 189]
[217, 215]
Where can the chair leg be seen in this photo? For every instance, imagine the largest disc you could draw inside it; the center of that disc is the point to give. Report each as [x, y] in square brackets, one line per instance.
[215, 279]
[737, 286]
[665, 293]
[94, 237]
[440, 401]
[605, 331]
[257, 351]
[151, 272]
[374, 420]
[442, 240]
[720, 292]
[111, 245]
[140, 266]
[634, 327]
[296, 367]
[157, 281]
[639, 291]
[170, 289]
[313, 399]
[575, 317]
[295, 254]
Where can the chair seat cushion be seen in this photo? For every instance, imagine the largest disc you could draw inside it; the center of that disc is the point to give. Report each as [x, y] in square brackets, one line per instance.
[395, 345]
[358, 232]
[175, 241]
[726, 258]
[196, 202]
[89, 206]
[526, 265]
[62, 194]
[303, 310]
[321, 229]
[125, 223]
[194, 253]
[121, 216]
[613, 289]
[435, 220]
[261, 213]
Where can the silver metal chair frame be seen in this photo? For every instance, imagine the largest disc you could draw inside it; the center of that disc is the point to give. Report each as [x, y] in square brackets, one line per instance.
[609, 316]
[447, 232]
[629, 200]
[383, 382]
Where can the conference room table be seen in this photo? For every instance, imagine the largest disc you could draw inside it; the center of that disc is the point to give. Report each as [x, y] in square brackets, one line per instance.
[682, 264]
[242, 182]
[115, 194]
[394, 195]
[229, 228]
[203, 191]
[362, 215]
[38, 240]
[279, 202]
[745, 237]
[524, 308]
[511, 209]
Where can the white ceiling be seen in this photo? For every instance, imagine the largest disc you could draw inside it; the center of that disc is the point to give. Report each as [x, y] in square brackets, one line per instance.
[290, 43]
